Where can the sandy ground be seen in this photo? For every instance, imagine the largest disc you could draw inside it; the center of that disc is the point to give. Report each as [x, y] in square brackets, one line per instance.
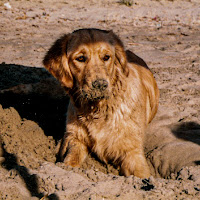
[166, 34]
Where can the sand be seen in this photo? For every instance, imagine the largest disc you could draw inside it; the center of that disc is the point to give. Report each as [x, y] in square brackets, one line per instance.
[166, 34]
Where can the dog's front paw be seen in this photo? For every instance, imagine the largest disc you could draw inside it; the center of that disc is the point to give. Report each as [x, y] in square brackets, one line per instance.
[73, 152]
[143, 172]
[73, 159]
[135, 164]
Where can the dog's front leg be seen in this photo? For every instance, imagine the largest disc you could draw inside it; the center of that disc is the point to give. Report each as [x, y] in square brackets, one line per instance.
[134, 163]
[73, 150]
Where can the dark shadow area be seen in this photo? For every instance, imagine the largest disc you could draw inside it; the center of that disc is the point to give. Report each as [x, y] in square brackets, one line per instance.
[31, 180]
[36, 96]
[12, 75]
[147, 185]
[189, 131]
[53, 197]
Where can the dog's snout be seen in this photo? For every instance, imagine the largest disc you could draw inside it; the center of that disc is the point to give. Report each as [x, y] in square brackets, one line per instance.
[100, 84]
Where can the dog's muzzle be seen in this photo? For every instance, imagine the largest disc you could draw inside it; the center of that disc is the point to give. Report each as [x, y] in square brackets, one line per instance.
[98, 90]
[100, 84]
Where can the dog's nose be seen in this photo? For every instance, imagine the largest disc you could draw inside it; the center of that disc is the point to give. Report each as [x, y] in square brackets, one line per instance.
[100, 84]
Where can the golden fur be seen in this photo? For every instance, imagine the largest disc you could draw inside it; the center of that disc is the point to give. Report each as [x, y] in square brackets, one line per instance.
[113, 97]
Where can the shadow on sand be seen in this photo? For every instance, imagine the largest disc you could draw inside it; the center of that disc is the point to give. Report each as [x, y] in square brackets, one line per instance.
[189, 131]
[36, 96]
[31, 180]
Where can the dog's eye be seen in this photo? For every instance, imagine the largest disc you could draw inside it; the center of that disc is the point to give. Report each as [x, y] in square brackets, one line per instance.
[106, 57]
[81, 59]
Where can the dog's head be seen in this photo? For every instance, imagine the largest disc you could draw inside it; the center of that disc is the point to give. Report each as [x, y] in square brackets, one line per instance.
[88, 62]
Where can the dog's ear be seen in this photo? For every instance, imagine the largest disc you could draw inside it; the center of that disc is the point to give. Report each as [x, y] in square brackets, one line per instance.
[57, 63]
[120, 54]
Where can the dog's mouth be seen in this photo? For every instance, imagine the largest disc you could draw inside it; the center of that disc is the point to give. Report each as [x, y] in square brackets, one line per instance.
[95, 95]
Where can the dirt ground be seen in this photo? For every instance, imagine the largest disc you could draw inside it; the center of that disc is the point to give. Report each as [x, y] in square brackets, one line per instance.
[165, 33]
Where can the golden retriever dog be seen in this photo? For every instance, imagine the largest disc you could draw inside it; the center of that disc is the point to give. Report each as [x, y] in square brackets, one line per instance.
[113, 97]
